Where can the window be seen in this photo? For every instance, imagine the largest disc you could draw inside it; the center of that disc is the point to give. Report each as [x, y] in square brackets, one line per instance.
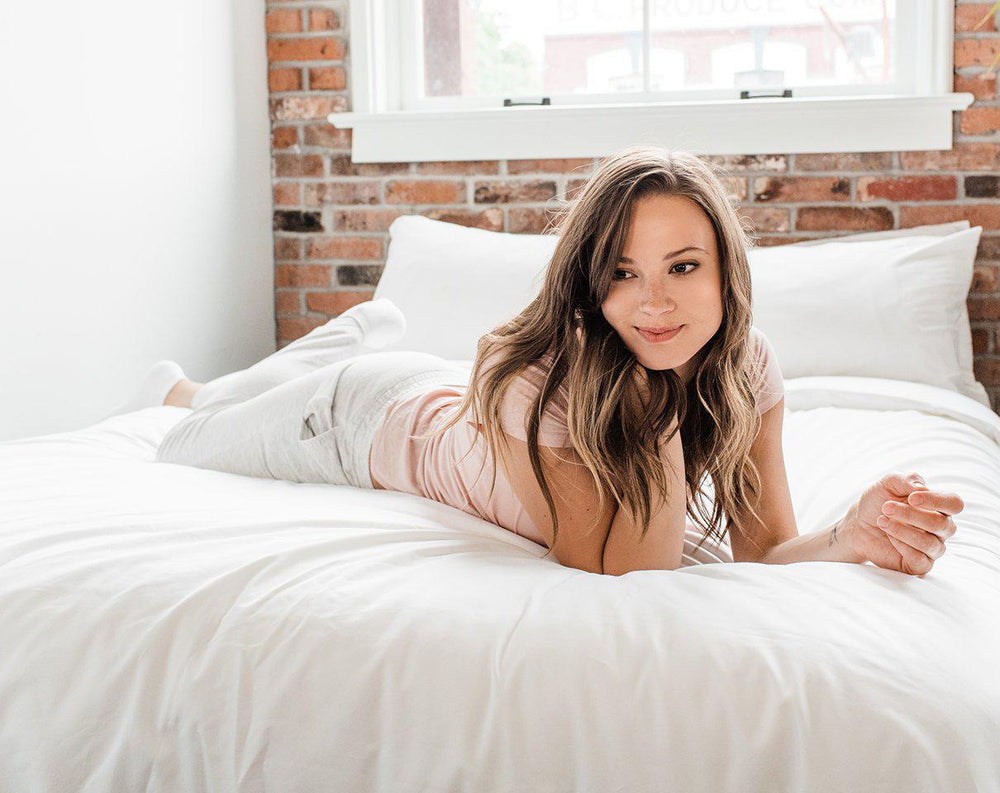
[584, 77]
[475, 53]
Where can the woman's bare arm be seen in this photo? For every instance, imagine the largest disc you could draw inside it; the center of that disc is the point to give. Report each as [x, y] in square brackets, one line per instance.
[663, 545]
[583, 523]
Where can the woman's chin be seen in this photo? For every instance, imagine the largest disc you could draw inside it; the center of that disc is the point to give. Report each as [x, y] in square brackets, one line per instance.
[659, 367]
[679, 367]
[658, 363]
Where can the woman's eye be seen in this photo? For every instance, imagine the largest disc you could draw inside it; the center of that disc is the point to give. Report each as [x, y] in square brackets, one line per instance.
[619, 275]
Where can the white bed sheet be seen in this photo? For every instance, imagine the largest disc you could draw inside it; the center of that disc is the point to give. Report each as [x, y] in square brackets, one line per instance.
[168, 628]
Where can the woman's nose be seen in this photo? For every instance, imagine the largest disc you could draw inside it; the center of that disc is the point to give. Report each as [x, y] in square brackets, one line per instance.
[655, 297]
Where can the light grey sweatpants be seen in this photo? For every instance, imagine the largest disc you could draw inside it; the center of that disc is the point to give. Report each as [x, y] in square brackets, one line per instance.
[307, 413]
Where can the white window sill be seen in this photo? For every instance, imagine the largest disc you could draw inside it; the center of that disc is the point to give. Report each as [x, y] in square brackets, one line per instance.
[739, 126]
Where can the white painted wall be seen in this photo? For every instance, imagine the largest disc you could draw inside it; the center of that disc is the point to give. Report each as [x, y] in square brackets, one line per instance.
[135, 201]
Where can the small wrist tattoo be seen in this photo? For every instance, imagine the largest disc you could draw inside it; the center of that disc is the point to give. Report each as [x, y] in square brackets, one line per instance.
[833, 535]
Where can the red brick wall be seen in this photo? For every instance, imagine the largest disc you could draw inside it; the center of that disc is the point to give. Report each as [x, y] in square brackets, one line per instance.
[331, 216]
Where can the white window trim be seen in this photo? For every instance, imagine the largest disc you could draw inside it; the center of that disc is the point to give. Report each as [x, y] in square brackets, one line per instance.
[897, 122]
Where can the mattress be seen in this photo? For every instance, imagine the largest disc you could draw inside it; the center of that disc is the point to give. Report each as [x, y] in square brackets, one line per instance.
[167, 628]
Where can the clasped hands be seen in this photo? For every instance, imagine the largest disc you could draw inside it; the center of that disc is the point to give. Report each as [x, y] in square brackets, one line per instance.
[901, 524]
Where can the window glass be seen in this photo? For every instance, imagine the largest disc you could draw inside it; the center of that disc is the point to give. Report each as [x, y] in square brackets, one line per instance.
[508, 48]
[750, 44]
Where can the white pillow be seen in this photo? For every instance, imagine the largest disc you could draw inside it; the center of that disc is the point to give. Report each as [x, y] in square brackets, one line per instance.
[454, 283]
[890, 305]
[935, 230]
[887, 304]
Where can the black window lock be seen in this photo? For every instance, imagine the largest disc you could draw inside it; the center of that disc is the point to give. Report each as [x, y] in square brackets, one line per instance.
[786, 94]
[526, 101]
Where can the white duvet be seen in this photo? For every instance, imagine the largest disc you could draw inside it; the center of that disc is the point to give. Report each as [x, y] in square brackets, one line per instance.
[174, 629]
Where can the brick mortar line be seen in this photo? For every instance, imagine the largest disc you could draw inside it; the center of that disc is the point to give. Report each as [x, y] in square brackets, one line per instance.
[986, 234]
[419, 177]
[553, 176]
[306, 148]
[959, 175]
[312, 92]
[305, 35]
[781, 235]
[306, 4]
[291, 235]
[310, 64]
[308, 93]
[334, 33]
[975, 323]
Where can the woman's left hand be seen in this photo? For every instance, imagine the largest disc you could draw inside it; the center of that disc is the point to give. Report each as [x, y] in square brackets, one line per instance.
[900, 524]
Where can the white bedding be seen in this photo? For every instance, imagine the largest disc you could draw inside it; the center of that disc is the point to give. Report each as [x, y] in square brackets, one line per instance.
[177, 629]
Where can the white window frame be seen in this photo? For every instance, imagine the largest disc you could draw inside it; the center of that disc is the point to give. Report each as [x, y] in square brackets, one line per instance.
[920, 119]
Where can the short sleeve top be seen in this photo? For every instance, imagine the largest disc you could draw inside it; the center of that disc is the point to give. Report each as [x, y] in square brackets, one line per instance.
[553, 429]
[454, 468]
[769, 386]
[521, 393]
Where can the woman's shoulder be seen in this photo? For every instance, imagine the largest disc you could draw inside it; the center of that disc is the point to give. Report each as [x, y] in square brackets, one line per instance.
[529, 382]
[766, 373]
[759, 342]
[520, 395]
[534, 372]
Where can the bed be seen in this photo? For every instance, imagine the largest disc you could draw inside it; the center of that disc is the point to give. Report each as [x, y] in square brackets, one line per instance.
[167, 628]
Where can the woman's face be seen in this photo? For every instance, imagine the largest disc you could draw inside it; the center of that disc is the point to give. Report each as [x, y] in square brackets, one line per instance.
[656, 288]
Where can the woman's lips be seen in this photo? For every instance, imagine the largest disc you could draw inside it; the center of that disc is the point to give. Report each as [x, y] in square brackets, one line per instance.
[659, 337]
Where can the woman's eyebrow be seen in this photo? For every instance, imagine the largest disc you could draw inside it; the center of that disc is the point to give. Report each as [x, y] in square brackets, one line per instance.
[670, 255]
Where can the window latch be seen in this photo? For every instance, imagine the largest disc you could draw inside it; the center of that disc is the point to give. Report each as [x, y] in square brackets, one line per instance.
[786, 94]
[526, 101]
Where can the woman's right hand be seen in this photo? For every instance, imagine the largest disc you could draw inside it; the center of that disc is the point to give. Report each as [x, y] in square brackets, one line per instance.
[900, 524]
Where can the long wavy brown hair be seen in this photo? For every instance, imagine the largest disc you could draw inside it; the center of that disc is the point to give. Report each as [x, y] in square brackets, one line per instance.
[617, 425]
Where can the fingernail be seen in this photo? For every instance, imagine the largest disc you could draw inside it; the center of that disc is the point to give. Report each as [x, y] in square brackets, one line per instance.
[915, 499]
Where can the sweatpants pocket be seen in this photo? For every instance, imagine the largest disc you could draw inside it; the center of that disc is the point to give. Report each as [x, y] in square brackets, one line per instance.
[317, 414]
[321, 439]
[326, 453]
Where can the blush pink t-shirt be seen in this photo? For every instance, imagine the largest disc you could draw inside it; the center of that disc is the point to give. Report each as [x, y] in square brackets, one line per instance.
[434, 468]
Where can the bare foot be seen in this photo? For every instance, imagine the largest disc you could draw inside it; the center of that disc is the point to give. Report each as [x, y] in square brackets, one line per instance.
[180, 395]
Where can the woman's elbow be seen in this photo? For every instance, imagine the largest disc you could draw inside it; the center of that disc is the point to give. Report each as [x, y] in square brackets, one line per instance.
[610, 569]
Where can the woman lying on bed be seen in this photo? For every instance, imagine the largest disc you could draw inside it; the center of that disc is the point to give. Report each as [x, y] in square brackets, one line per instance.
[634, 374]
